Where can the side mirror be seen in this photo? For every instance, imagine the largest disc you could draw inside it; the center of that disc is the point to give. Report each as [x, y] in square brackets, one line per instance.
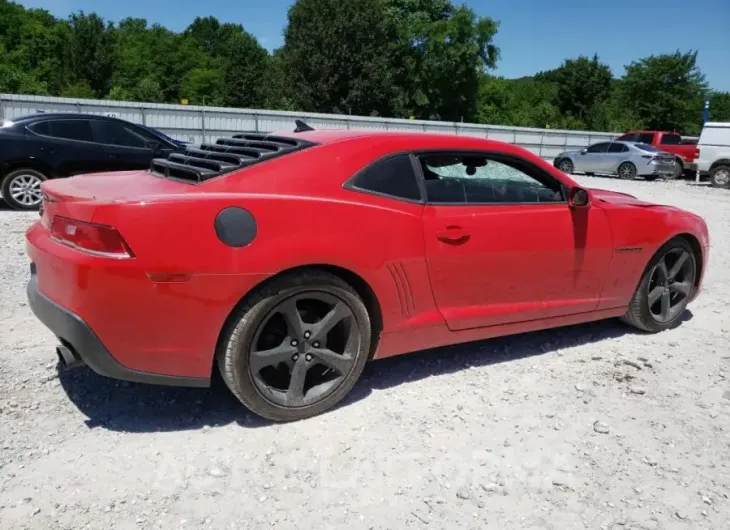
[583, 151]
[155, 146]
[579, 198]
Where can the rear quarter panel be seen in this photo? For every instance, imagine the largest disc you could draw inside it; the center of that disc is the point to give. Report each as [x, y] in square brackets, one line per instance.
[380, 240]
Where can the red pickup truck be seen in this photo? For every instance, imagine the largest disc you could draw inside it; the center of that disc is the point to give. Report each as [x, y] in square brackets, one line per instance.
[669, 142]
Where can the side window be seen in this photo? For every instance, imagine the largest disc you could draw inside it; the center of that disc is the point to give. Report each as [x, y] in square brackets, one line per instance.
[70, 129]
[393, 176]
[41, 128]
[671, 139]
[471, 179]
[113, 133]
[628, 138]
[645, 138]
[599, 148]
[617, 148]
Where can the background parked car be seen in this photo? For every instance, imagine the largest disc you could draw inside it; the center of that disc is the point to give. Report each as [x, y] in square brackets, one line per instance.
[44, 146]
[625, 159]
[669, 142]
[714, 146]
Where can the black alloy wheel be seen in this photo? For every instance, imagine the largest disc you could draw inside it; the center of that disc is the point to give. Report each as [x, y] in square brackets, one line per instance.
[666, 288]
[671, 284]
[297, 346]
[303, 349]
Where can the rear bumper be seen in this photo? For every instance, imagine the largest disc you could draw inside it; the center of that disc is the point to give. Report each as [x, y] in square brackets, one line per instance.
[81, 345]
[657, 169]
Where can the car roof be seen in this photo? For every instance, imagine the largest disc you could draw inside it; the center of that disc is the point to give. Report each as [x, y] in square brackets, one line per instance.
[59, 115]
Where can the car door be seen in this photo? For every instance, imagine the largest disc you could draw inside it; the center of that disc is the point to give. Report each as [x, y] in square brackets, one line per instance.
[128, 147]
[616, 153]
[67, 146]
[591, 159]
[504, 246]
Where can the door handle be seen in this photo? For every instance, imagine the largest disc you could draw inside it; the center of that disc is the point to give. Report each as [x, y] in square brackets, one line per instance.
[453, 234]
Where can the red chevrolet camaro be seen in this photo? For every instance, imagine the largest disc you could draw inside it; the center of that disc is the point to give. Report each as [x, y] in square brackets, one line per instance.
[289, 260]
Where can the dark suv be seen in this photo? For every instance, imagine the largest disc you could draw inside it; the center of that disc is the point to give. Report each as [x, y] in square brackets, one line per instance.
[45, 146]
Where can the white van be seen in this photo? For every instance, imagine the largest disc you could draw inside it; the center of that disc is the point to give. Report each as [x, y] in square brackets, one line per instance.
[714, 146]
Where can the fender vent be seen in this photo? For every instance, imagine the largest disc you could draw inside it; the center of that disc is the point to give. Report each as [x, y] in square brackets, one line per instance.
[400, 278]
[198, 164]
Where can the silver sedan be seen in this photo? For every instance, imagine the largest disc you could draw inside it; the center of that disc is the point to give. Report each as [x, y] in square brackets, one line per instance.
[625, 159]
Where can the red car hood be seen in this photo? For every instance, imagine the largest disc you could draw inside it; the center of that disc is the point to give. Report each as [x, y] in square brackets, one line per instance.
[616, 197]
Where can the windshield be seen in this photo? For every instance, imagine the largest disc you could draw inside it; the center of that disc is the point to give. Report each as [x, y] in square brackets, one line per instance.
[160, 133]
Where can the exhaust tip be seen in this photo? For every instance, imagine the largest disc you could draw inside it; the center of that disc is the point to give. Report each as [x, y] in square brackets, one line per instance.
[67, 358]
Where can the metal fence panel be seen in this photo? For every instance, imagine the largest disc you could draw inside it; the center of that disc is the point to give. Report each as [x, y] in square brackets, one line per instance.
[198, 124]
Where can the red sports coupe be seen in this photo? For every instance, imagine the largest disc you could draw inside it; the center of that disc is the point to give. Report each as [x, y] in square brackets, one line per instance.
[289, 260]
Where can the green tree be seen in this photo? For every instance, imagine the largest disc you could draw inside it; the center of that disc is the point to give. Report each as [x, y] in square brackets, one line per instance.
[202, 86]
[582, 85]
[720, 106]
[148, 89]
[524, 102]
[665, 92]
[80, 89]
[90, 52]
[244, 70]
[440, 53]
[337, 56]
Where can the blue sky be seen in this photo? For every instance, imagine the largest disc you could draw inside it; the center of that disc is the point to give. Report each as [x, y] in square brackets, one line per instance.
[533, 35]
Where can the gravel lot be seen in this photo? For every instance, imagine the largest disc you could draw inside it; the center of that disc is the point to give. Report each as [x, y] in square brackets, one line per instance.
[587, 427]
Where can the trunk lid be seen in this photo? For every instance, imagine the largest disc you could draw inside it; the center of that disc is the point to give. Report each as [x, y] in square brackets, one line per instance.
[78, 197]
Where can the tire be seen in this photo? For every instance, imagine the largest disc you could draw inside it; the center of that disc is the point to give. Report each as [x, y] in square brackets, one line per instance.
[21, 189]
[678, 171]
[720, 177]
[566, 166]
[237, 351]
[626, 171]
[640, 314]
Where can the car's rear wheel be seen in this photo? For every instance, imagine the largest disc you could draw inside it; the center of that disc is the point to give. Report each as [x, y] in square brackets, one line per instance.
[665, 289]
[296, 347]
[627, 171]
[677, 172]
[21, 189]
[720, 177]
[566, 166]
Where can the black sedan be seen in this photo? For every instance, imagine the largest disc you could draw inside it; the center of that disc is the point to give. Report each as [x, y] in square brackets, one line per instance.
[45, 146]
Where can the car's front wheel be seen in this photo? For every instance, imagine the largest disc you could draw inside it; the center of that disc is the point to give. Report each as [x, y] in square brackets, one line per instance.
[665, 289]
[296, 347]
[21, 189]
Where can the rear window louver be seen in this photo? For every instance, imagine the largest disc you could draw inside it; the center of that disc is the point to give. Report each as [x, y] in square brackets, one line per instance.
[207, 161]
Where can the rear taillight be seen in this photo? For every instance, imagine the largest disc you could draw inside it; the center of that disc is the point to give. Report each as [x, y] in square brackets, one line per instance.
[697, 152]
[100, 240]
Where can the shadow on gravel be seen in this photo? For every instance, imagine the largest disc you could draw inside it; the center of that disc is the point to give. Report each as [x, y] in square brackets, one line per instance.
[131, 407]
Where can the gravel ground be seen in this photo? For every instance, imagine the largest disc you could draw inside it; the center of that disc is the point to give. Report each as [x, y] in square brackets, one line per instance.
[586, 427]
